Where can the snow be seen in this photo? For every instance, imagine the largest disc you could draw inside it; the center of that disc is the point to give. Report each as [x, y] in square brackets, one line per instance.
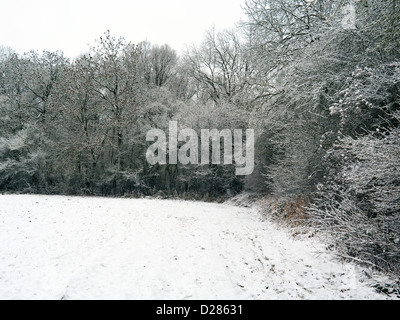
[55, 247]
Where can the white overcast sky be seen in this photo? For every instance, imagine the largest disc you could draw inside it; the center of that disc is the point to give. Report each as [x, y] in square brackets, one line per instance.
[72, 25]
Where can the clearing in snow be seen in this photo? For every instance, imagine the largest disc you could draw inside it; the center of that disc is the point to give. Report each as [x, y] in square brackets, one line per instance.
[55, 247]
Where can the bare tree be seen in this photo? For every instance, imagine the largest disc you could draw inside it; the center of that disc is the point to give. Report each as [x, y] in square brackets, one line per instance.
[5, 53]
[220, 66]
[116, 80]
[158, 63]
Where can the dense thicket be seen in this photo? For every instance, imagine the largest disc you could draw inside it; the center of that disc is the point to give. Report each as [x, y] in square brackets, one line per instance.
[318, 80]
[330, 117]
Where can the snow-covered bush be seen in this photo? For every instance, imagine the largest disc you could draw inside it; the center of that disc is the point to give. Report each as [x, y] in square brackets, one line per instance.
[360, 207]
[21, 162]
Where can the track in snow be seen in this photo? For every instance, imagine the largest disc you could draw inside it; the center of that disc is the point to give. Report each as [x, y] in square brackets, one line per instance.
[54, 247]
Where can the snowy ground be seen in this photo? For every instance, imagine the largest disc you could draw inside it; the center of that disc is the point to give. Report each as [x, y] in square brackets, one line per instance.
[94, 248]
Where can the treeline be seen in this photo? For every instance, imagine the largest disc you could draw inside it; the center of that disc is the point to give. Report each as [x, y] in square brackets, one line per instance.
[319, 81]
[329, 119]
[80, 127]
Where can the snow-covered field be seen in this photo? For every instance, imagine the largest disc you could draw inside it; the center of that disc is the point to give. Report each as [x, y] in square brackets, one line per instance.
[54, 247]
